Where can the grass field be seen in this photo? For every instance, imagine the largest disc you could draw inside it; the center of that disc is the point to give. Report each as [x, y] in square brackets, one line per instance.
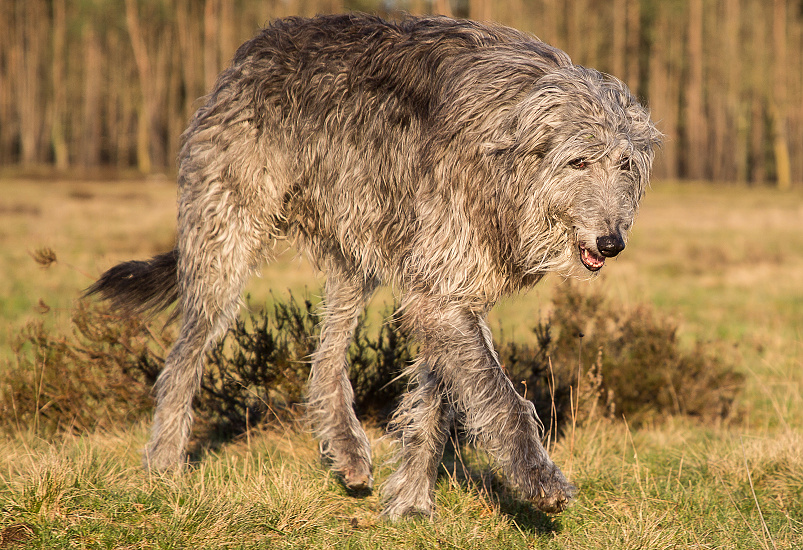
[725, 262]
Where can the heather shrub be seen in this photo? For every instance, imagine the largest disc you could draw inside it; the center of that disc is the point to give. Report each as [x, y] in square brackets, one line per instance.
[643, 372]
[97, 376]
[588, 359]
[260, 367]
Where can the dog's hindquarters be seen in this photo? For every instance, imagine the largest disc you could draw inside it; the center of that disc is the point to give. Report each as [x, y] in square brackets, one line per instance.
[230, 203]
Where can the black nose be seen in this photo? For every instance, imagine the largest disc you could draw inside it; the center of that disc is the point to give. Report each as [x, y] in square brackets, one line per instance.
[610, 245]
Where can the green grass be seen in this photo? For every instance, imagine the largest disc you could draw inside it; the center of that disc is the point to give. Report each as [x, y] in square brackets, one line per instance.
[677, 486]
[725, 261]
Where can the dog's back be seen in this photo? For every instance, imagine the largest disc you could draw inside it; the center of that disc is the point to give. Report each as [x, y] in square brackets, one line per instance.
[360, 123]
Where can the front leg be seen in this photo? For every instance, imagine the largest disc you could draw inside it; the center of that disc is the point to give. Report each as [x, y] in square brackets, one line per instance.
[456, 340]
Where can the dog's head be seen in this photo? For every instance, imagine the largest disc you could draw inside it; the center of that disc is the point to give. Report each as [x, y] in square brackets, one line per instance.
[586, 146]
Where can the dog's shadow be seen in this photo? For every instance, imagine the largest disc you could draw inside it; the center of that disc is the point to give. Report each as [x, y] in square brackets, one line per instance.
[483, 479]
[479, 478]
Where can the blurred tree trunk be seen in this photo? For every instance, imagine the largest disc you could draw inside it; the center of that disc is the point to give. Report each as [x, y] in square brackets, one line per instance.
[757, 78]
[91, 139]
[332, 6]
[795, 97]
[120, 111]
[696, 152]
[417, 7]
[7, 123]
[146, 104]
[736, 131]
[666, 59]
[757, 157]
[519, 14]
[111, 103]
[480, 10]
[175, 119]
[634, 47]
[226, 42]
[25, 64]
[720, 141]
[619, 39]
[783, 176]
[579, 41]
[552, 23]
[188, 23]
[211, 18]
[128, 126]
[162, 73]
[59, 102]
[442, 7]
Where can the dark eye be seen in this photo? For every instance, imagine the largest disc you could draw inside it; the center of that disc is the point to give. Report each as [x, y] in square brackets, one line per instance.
[625, 164]
[578, 164]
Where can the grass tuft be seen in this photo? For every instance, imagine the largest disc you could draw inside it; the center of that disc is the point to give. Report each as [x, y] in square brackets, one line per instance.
[44, 256]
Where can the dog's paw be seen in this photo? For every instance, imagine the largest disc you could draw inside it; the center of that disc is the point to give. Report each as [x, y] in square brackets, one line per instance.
[556, 502]
[395, 511]
[358, 478]
[552, 492]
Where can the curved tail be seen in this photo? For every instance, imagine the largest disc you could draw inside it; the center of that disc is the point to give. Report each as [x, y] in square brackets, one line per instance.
[141, 286]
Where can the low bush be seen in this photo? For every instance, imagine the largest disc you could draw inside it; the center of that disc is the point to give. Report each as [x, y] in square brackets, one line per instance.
[260, 367]
[589, 359]
[98, 375]
[592, 358]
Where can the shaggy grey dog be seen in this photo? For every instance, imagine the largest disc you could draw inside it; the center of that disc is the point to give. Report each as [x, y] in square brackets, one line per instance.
[454, 160]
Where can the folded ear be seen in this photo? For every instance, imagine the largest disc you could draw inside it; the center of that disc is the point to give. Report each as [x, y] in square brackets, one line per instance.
[502, 145]
[527, 130]
[511, 144]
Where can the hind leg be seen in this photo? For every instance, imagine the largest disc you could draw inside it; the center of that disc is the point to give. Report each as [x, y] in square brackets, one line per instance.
[211, 274]
[330, 395]
[222, 239]
[421, 424]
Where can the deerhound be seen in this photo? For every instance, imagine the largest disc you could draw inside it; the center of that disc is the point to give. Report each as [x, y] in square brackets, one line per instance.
[454, 160]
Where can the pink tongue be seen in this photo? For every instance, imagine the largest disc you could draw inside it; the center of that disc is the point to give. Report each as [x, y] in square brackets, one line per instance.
[591, 260]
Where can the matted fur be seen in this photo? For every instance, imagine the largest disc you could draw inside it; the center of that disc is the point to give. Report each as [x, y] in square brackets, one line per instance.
[454, 160]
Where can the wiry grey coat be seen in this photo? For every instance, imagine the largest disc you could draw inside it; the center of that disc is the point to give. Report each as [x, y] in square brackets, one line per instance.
[454, 160]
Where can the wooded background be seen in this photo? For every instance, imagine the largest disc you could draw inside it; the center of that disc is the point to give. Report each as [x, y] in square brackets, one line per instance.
[112, 83]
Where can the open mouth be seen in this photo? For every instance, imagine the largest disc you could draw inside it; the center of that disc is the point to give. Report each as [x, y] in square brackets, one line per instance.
[591, 261]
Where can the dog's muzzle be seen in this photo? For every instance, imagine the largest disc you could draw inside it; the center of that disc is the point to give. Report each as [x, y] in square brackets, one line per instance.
[610, 245]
